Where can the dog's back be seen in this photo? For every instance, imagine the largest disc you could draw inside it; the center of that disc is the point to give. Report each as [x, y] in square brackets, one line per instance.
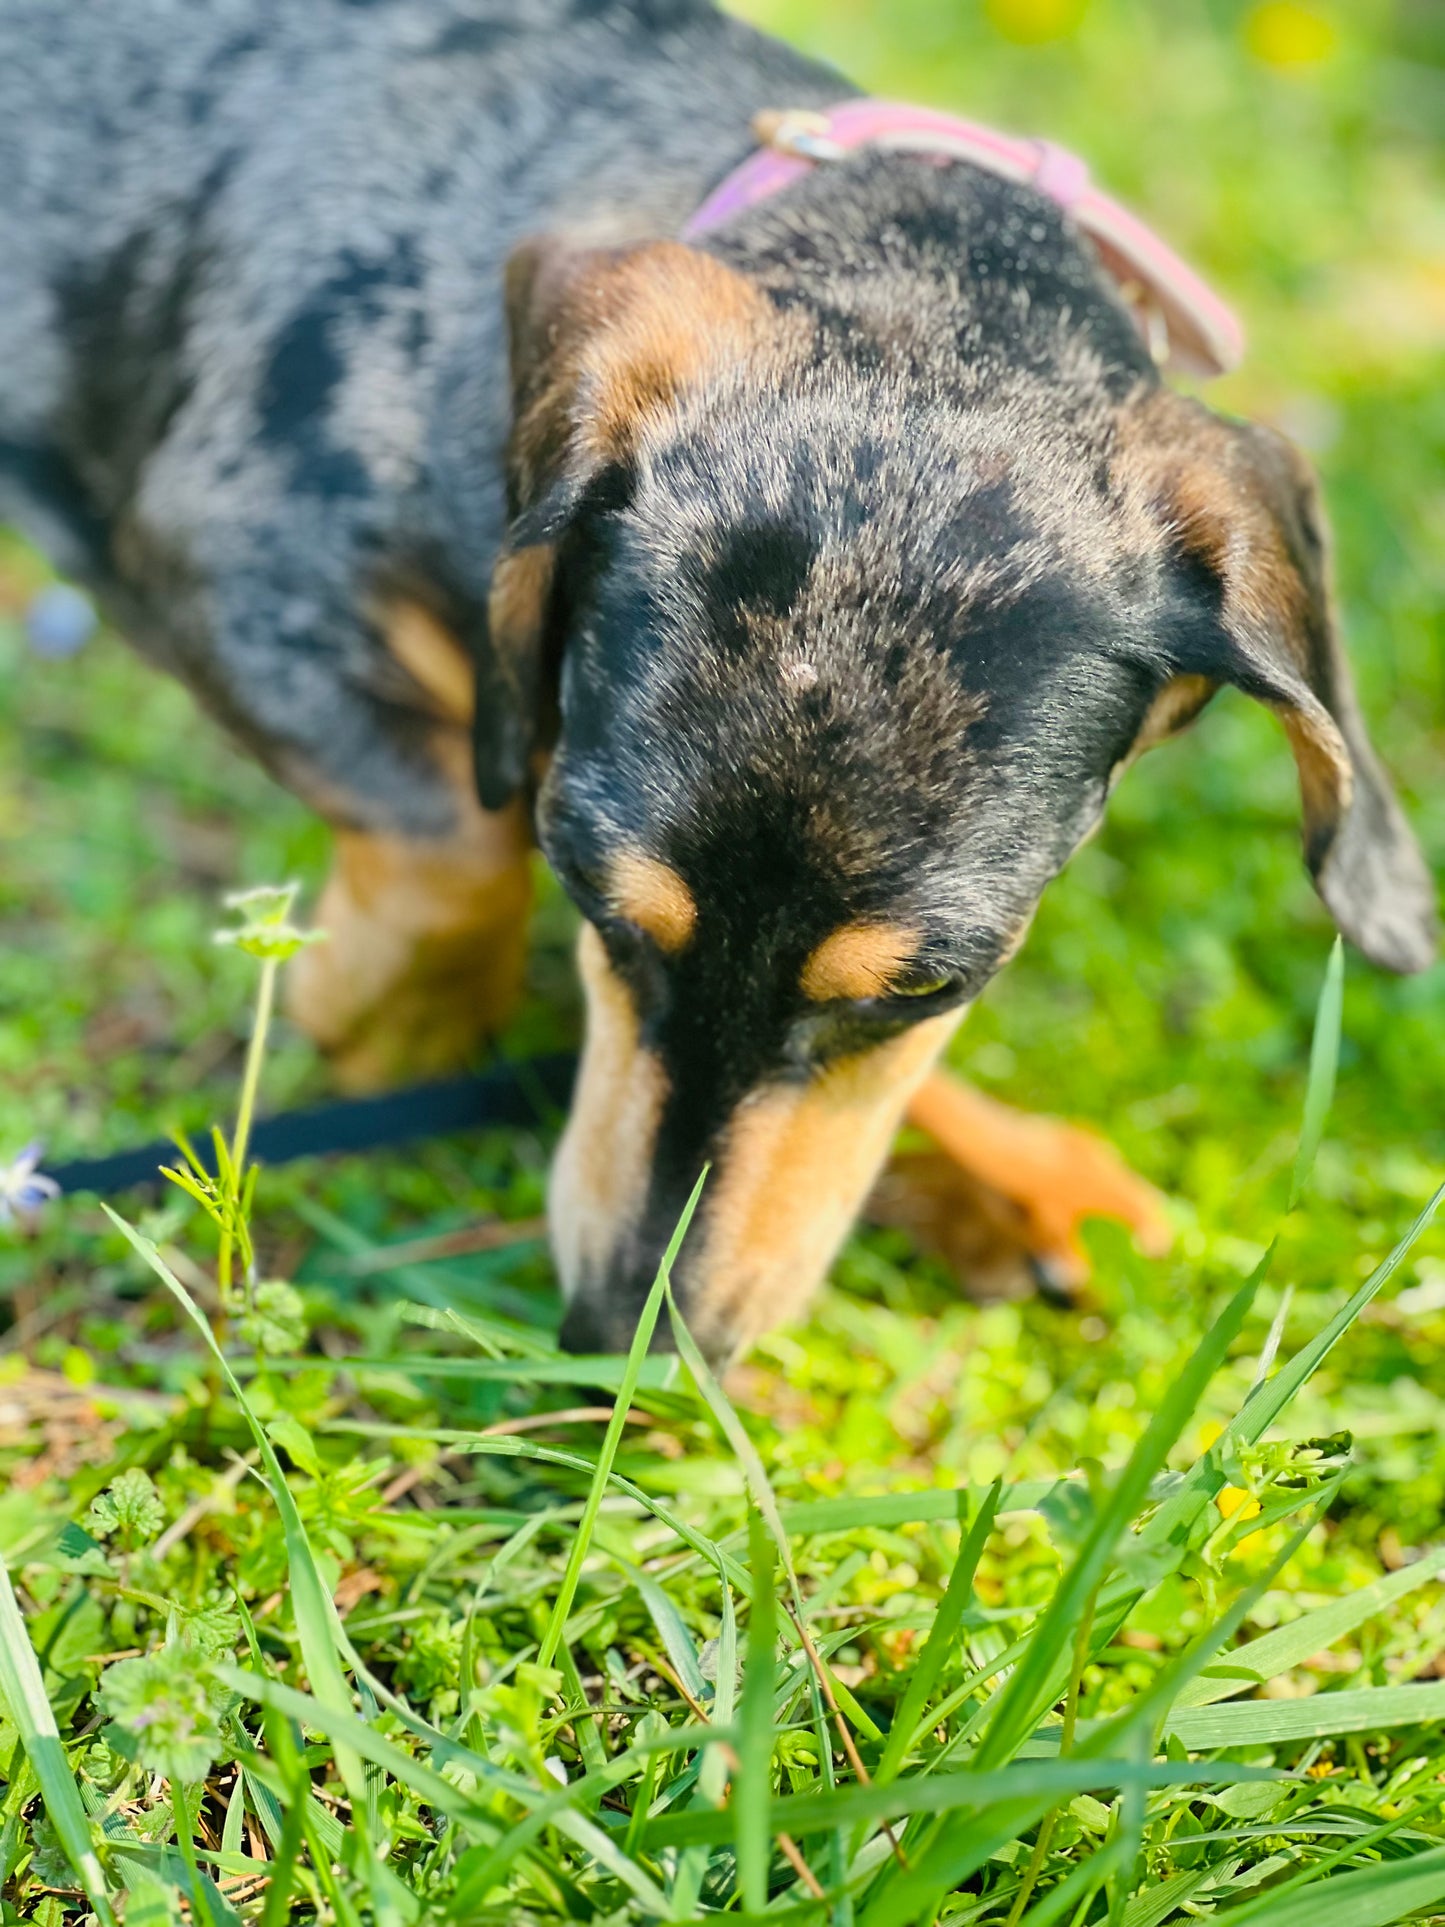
[166, 160]
[252, 350]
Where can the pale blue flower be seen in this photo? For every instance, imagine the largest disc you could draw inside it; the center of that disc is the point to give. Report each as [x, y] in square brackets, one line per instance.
[24, 1187]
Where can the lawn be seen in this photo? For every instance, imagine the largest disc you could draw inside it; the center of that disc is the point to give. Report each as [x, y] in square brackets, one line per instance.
[408, 1622]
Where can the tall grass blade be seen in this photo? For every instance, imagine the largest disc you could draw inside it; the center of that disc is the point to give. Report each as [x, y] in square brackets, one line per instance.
[641, 1339]
[671, 1628]
[734, 1432]
[1032, 1784]
[1079, 1887]
[22, 1688]
[751, 1785]
[1290, 1645]
[957, 1598]
[856, 1511]
[1366, 1709]
[1369, 1897]
[1324, 1062]
[1033, 1685]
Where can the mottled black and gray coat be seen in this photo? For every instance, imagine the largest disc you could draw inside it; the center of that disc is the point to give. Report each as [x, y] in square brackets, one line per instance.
[848, 619]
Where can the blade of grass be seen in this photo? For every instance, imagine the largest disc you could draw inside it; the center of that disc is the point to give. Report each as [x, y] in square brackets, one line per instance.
[751, 1783]
[423, 1780]
[1031, 1688]
[711, 1789]
[957, 1598]
[671, 1628]
[1365, 1709]
[958, 1850]
[1038, 1781]
[1164, 1897]
[515, 1448]
[1369, 1897]
[279, 1887]
[22, 1688]
[854, 1514]
[1288, 1646]
[1129, 1832]
[735, 1433]
[655, 1374]
[641, 1339]
[559, 1810]
[1079, 1886]
[766, 1502]
[1324, 1062]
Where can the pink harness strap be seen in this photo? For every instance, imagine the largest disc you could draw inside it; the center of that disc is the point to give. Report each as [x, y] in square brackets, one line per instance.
[1187, 327]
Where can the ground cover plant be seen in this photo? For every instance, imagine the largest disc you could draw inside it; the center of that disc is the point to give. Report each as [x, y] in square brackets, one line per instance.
[336, 1594]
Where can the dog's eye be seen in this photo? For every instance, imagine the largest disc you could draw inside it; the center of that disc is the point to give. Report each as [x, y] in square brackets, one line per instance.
[931, 983]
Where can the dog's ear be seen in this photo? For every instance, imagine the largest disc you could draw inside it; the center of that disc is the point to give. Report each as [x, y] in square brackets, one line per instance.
[1250, 605]
[603, 344]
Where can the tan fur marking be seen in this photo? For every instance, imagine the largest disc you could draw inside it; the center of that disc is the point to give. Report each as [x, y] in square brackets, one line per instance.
[517, 601]
[433, 658]
[654, 897]
[603, 344]
[1326, 774]
[1194, 468]
[667, 314]
[604, 341]
[427, 941]
[858, 960]
[1208, 483]
[599, 1179]
[1176, 705]
[793, 1173]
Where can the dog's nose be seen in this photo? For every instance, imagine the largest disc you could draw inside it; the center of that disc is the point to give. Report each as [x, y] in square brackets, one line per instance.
[606, 1321]
[582, 1328]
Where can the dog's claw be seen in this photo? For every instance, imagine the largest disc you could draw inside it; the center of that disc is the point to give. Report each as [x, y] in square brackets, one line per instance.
[1053, 1285]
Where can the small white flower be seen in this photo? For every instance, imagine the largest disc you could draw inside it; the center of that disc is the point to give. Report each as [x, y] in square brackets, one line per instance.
[24, 1187]
[555, 1767]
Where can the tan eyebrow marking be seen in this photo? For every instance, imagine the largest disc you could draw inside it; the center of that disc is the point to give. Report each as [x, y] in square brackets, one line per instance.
[858, 960]
[652, 895]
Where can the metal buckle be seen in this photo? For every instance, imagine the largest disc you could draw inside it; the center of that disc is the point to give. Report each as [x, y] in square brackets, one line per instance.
[799, 132]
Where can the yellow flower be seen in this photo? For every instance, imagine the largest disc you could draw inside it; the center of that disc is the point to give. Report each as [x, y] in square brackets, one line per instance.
[1282, 33]
[1232, 1500]
[1032, 22]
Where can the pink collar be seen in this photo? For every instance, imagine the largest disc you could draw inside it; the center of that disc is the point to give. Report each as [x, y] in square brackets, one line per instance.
[1187, 327]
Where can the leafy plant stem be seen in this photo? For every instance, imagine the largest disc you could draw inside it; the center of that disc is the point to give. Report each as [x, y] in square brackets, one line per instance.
[255, 1057]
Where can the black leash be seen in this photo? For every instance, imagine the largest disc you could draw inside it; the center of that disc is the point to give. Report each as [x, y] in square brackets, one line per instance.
[511, 1094]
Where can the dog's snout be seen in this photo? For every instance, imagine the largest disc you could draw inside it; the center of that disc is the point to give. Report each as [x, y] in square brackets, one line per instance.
[584, 1328]
[603, 1318]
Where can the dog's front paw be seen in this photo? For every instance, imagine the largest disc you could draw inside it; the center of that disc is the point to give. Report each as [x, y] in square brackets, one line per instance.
[1005, 1195]
[390, 1004]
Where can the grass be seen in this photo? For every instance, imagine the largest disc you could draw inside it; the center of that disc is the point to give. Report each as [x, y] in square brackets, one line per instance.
[933, 1612]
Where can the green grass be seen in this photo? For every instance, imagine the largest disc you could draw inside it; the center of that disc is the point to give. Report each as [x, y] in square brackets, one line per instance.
[370, 1630]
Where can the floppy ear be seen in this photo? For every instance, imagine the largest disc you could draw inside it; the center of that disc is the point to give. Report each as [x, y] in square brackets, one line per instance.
[603, 344]
[1241, 514]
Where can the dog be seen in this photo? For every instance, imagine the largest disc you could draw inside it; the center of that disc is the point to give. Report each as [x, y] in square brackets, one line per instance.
[802, 585]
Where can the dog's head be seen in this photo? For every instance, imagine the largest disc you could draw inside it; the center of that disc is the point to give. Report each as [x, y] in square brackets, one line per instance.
[849, 651]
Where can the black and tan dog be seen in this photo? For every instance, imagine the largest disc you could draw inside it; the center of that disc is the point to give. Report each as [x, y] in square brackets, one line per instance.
[807, 586]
